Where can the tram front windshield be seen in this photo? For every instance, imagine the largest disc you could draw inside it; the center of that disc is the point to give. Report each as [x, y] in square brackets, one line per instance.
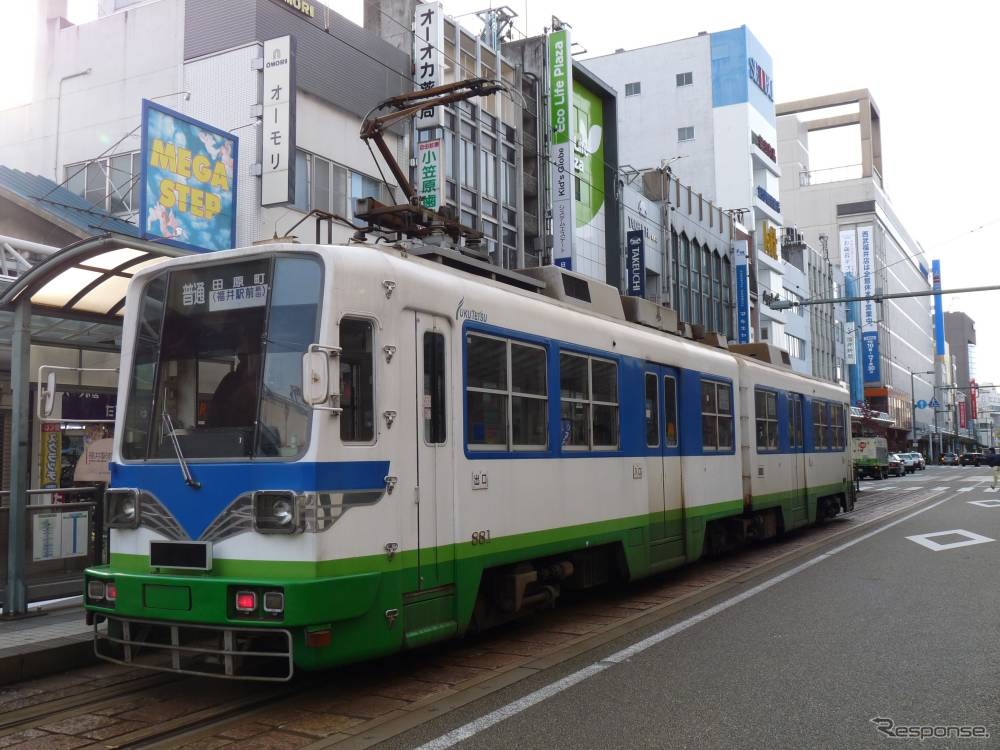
[218, 361]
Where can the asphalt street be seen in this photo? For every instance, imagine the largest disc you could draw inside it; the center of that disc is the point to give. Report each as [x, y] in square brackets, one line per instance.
[879, 626]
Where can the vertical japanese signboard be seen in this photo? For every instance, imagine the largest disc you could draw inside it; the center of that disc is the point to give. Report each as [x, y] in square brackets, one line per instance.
[851, 344]
[428, 58]
[742, 293]
[50, 456]
[430, 182]
[187, 184]
[848, 252]
[636, 260]
[277, 178]
[561, 170]
[869, 311]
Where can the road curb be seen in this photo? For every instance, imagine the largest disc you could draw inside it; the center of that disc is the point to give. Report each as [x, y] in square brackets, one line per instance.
[41, 660]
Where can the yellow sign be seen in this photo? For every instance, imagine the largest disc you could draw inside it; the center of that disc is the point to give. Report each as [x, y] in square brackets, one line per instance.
[306, 9]
[770, 240]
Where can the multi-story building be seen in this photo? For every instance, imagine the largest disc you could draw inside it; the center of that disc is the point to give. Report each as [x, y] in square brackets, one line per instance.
[705, 107]
[960, 333]
[875, 253]
[203, 58]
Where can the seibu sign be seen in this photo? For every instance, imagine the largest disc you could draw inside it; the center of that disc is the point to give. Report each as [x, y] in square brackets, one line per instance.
[760, 77]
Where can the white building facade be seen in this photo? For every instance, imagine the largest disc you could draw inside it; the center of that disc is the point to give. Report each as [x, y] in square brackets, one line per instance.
[203, 58]
[705, 107]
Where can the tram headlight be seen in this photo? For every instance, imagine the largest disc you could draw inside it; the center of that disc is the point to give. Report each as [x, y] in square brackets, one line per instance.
[276, 512]
[121, 508]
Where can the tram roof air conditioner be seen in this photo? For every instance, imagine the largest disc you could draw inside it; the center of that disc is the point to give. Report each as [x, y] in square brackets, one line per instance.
[577, 290]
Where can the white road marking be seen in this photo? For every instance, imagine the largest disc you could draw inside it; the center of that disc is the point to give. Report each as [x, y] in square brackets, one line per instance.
[966, 489]
[880, 489]
[974, 479]
[483, 723]
[970, 538]
[941, 489]
[986, 503]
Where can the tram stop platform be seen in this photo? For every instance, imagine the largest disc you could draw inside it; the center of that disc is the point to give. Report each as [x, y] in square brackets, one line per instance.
[52, 638]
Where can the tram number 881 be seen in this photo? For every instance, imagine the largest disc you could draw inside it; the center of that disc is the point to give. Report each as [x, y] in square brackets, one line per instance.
[481, 537]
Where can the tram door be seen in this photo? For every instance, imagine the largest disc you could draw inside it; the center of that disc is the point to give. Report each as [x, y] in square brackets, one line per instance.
[666, 503]
[797, 445]
[435, 469]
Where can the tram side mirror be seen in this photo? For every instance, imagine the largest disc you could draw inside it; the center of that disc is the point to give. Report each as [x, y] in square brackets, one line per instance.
[315, 377]
[47, 397]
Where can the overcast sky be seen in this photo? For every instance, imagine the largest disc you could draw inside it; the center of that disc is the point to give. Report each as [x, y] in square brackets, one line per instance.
[930, 67]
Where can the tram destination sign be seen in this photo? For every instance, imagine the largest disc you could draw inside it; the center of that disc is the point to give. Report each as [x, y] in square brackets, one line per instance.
[233, 286]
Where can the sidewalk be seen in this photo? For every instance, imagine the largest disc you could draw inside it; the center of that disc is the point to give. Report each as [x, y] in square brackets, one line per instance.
[44, 644]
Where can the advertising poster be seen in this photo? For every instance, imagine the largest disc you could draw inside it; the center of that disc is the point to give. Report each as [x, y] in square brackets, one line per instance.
[562, 167]
[188, 181]
[871, 367]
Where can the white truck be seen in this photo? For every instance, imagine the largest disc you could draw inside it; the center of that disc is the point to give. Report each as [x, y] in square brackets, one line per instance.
[871, 457]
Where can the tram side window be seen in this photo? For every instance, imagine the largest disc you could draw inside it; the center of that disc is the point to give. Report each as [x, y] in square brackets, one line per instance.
[766, 411]
[652, 407]
[670, 407]
[506, 394]
[795, 412]
[819, 425]
[529, 403]
[837, 426]
[357, 381]
[486, 391]
[434, 388]
[716, 416]
[588, 390]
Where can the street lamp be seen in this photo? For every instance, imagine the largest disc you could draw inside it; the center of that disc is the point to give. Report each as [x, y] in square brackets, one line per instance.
[913, 412]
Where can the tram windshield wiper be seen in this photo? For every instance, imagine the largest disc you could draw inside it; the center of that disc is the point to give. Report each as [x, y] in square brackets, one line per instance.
[189, 480]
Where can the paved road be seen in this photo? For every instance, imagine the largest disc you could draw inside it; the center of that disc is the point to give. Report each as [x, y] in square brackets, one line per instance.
[878, 625]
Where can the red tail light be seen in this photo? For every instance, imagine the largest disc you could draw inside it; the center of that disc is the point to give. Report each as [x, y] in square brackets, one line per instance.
[110, 591]
[318, 638]
[246, 601]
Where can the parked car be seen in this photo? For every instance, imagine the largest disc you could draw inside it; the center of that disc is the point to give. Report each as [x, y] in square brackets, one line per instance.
[896, 465]
[921, 461]
[909, 462]
[971, 458]
[949, 459]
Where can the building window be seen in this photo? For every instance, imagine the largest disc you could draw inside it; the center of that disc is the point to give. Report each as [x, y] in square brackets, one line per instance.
[633, 89]
[107, 183]
[325, 185]
[685, 134]
[795, 346]
[684, 310]
[588, 392]
[696, 318]
[716, 416]
[766, 412]
[727, 296]
[357, 382]
[685, 79]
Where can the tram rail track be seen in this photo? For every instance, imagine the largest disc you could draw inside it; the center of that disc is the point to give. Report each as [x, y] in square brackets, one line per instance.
[361, 705]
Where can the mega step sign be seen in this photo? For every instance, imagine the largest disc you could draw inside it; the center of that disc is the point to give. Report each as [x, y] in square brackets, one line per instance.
[188, 181]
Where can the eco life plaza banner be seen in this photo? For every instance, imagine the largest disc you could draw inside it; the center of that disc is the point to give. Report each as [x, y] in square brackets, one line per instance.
[561, 171]
[188, 181]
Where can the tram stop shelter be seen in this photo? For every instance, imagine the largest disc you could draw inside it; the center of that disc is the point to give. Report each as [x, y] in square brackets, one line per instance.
[74, 299]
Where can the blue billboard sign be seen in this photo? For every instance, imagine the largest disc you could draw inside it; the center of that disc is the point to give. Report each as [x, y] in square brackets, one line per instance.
[742, 293]
[636, 263]
[869, 357]
[187, 183]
